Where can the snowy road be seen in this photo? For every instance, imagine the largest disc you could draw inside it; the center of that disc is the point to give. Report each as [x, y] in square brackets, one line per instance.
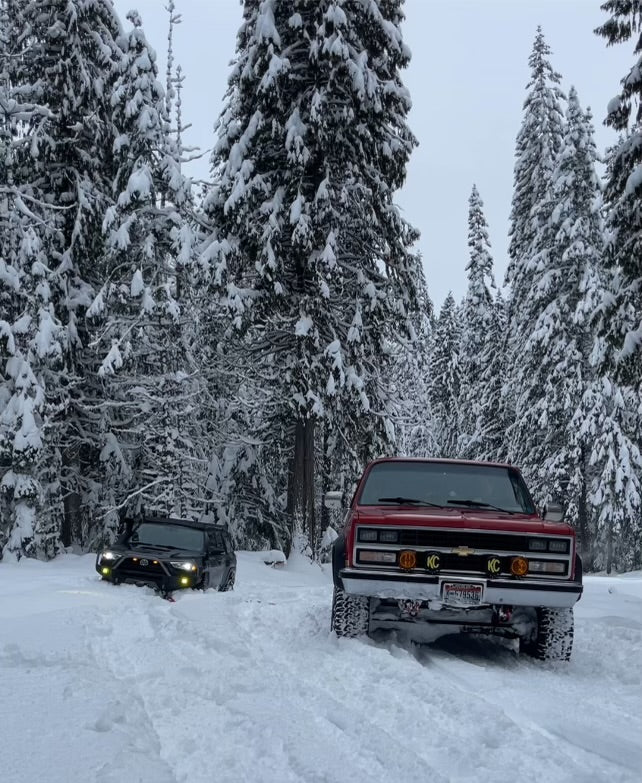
[106, 684]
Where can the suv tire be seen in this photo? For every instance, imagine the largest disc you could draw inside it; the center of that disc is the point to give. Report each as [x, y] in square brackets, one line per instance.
[350, 614]
[228, 584]
[554, 638]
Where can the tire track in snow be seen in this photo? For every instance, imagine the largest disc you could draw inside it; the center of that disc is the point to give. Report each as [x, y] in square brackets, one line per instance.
[250, 685]
[571, 735]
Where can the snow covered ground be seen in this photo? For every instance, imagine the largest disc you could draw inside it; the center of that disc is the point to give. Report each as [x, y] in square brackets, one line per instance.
[103, 683]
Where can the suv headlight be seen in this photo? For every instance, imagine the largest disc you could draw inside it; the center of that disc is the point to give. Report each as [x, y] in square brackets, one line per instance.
[108, 555]
[184, 565]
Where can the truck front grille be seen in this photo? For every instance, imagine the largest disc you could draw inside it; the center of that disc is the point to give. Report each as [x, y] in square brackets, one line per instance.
[450, 539]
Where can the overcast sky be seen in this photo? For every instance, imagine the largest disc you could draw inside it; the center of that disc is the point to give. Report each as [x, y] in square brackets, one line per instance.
[467, 80]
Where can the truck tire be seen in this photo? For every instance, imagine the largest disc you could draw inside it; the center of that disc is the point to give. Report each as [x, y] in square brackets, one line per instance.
[350, 614]
[554, 638]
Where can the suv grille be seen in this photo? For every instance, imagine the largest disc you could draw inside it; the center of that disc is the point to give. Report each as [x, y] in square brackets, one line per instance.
[133, 569]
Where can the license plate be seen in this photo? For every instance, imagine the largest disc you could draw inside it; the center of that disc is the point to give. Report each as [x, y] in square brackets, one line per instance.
[462, 593]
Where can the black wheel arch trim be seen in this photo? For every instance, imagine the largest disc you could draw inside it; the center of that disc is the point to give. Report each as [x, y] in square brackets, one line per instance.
[338, 560]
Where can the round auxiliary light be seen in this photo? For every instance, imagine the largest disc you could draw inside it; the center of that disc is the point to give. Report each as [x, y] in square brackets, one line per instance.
[184, 581]
[407, 559]
[519, 566]
[105, 571]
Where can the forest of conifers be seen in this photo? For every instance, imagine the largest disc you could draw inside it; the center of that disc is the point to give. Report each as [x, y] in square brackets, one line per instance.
[232, 352]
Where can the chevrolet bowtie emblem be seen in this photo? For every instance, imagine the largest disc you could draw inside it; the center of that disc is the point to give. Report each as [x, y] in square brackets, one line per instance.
[463, 551]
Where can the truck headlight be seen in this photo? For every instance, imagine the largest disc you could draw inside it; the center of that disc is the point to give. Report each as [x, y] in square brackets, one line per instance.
[367, 534]
[108, 555]
[388, 536]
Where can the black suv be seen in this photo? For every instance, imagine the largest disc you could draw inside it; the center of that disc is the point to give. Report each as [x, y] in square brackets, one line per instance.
[170, 554]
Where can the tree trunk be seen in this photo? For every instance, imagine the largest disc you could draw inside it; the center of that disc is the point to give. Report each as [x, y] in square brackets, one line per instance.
[308, 485]
[295, 475]
[301, 495]
[586, 547]
[71, 522]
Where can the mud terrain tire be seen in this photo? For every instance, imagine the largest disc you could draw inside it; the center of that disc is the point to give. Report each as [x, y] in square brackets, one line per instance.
[554, 638]
[350, 614]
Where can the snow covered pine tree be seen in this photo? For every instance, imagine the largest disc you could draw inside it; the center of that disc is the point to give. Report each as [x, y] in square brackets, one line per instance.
[532, 274]
[305, 244]
[476, 353]
[445, 380]
[618, 352]
[139, 362]
[57, 60]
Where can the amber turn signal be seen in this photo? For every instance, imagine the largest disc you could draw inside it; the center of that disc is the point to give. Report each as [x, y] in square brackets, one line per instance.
[407, 559]
[519, 566]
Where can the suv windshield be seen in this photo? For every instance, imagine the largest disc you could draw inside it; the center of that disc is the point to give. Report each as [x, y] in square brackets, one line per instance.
[446, 484]
[174, 536]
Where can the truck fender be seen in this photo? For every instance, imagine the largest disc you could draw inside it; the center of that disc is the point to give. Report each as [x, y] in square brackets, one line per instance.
[338, 559]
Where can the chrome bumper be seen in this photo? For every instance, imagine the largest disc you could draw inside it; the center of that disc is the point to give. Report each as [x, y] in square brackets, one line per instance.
[558, 595]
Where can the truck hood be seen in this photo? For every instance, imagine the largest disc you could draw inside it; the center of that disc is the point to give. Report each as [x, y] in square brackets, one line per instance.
[463, 518]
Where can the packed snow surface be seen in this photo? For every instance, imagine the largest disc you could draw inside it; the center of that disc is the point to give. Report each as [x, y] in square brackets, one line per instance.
[112, 684]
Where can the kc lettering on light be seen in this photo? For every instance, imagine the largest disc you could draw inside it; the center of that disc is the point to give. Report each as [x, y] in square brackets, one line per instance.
[433, 562]
[494, 565]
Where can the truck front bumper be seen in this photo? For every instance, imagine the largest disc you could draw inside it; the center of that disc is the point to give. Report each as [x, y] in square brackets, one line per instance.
[419, 587]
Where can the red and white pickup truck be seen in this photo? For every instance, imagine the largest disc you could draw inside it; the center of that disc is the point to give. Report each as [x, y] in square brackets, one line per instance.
[440, 546]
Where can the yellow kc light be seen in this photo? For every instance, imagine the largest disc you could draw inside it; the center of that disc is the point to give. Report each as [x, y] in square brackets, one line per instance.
[105, 571]
[407, 559]
[185, 581]
[519, 566]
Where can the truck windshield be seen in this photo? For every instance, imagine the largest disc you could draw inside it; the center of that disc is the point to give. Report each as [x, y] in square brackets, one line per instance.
[446, 484]
[174, 536]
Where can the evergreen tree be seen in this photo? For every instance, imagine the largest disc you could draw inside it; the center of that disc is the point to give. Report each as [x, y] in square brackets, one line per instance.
[618, 348]
[492, 420]
[445, 379]
[563, 329]
[538, 142]
[605, 420]
[305, 243]
[138, 357]
[533, 271]
[57, 63]
[478, 316]
[621, 322]
[415, 425]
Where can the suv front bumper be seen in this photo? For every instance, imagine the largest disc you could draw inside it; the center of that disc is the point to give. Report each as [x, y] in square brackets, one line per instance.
[161, 580]
[419, 587]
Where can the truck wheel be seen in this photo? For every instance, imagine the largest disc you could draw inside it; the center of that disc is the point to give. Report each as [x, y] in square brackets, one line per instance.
[350, 614]
[554, 638]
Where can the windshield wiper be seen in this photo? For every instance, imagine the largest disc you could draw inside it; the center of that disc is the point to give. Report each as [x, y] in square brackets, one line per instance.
[401, 500]
[479, 504]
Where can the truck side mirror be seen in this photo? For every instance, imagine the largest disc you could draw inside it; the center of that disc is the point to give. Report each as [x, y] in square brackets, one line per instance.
[333, 499]
[552, 512]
